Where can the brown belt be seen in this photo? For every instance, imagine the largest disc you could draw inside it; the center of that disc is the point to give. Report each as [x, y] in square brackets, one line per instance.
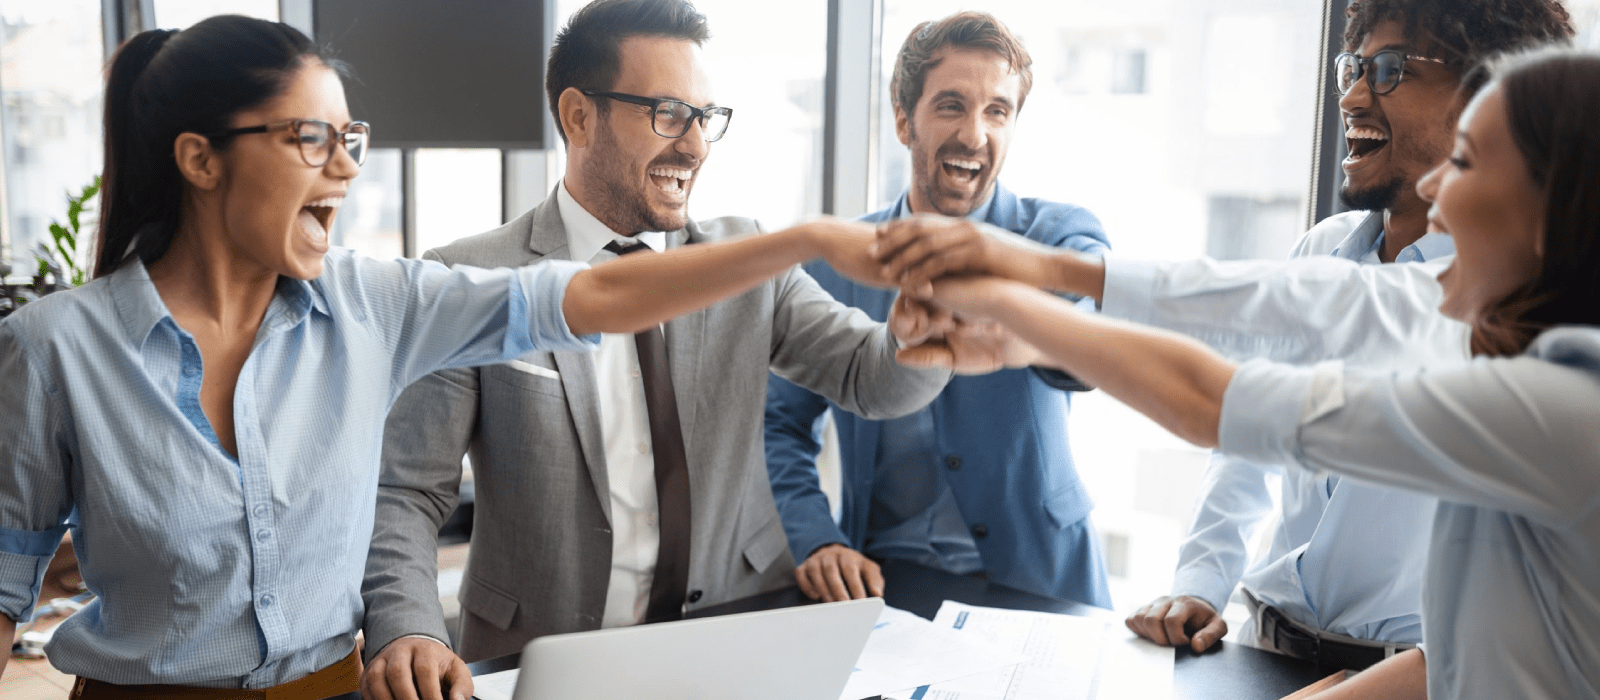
[338, 679]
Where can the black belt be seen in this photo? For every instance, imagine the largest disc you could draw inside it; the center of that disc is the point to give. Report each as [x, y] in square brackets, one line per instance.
[1288, 637]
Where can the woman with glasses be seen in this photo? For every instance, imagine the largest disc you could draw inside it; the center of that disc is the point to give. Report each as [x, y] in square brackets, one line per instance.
[1510, 442]
[207, 413]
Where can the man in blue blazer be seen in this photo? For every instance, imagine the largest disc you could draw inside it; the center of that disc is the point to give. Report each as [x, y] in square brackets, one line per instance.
[981, 481]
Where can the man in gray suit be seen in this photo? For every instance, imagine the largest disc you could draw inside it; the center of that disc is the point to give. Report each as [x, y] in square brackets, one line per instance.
[572, 526]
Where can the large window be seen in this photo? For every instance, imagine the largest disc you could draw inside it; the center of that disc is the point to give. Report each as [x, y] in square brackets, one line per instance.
[1186, 127]
[50, 86]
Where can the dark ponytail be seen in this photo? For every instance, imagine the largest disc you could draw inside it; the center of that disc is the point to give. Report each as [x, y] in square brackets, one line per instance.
[164, 83]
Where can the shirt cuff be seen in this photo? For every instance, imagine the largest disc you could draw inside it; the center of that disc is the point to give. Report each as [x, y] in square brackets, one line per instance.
[542, 289]
[1262, 411]
[1129, 288]
[422, 636]
[1204, 584]
[24, 556]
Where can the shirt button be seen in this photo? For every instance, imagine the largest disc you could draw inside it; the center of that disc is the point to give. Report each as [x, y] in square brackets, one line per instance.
[633, 372]
[263, 535]
[191, 370]
[694, 596]
[953, 462]
[650, 519]
[267, 600]
[644, 448]
[980, 531]
[261, 511]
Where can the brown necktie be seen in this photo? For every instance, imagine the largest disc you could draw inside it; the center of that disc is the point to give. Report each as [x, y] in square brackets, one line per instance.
[671, 581]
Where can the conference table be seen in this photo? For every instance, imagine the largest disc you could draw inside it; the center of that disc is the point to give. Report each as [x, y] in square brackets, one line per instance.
[1226, 671]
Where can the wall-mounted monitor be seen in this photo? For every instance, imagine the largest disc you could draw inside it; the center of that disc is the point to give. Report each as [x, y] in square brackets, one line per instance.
[437, 74]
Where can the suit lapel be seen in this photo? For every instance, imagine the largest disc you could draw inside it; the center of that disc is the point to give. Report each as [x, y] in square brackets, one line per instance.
[547, 238]
[685, 341]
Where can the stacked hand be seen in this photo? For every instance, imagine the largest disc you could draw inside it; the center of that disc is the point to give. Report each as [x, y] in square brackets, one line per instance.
[947, 270]
[934, 333]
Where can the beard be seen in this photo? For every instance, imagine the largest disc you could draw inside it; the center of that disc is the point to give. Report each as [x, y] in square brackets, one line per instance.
[925, 178]
[1375, 198]
[620, 204]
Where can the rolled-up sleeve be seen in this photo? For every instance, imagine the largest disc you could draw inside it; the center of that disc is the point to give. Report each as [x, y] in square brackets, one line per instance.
[1510, 434]
[34, 493]
[436, 317]
[1262, 410]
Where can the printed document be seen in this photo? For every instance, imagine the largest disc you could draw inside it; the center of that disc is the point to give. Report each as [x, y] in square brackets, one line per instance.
[1068, 658]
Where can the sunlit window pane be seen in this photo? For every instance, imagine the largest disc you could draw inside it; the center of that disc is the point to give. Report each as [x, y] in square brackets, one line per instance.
[179, 14]
[369, 221]
[1186, 127]
[51, 55]
[458, 194]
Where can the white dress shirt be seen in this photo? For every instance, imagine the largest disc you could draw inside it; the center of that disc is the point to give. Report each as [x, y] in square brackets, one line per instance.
[624, 430]
[1509, 447]
[1347, 557]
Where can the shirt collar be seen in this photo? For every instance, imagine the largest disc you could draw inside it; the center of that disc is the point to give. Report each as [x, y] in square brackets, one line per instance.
[1368, 235]
[586, 236]
[902, 208]
[138, 304]
[140, 307]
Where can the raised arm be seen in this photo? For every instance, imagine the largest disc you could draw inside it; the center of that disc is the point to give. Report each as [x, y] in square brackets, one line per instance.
[1175, 380]
[639, 291]
[916, 250]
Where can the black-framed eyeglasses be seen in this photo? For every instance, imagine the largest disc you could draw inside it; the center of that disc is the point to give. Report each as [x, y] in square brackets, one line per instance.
[672, 118]
[316, 138]
[1382, 70]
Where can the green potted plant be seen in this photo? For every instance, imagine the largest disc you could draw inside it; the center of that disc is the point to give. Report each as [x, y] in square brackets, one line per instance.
[62, 265]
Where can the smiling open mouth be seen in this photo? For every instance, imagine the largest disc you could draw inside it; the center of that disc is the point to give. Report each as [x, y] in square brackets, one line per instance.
[670, 180]
[1363, 141]
[962, 171]
[320, 213]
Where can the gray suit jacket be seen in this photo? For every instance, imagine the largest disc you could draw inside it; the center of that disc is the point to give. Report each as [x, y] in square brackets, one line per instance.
[540, 559]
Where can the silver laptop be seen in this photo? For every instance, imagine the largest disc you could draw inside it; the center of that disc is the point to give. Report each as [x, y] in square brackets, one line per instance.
[800, 653]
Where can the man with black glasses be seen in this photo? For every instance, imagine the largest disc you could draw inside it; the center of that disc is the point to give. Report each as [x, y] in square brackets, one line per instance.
[625, 485]
[1341, 582]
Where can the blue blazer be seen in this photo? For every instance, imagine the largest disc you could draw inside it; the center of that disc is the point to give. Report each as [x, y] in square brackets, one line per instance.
[1003, 433]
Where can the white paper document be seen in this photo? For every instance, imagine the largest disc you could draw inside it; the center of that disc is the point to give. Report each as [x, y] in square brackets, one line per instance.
[905, 651]
[1068, 658]
[495, 686]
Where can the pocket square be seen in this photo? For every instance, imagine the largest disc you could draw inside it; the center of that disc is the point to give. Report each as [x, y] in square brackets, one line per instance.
[534, 369]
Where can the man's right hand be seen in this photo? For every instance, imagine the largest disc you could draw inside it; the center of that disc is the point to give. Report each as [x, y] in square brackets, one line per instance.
[412, 668]
[835, 572]
[919, 249]
[1168, 620]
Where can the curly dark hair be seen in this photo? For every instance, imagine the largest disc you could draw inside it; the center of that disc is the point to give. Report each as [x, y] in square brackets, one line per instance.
[1463, 32]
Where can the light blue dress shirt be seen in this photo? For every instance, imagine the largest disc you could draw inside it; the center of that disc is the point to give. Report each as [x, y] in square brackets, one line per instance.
[1511, 603]
[1346, 557]
[212, 571]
